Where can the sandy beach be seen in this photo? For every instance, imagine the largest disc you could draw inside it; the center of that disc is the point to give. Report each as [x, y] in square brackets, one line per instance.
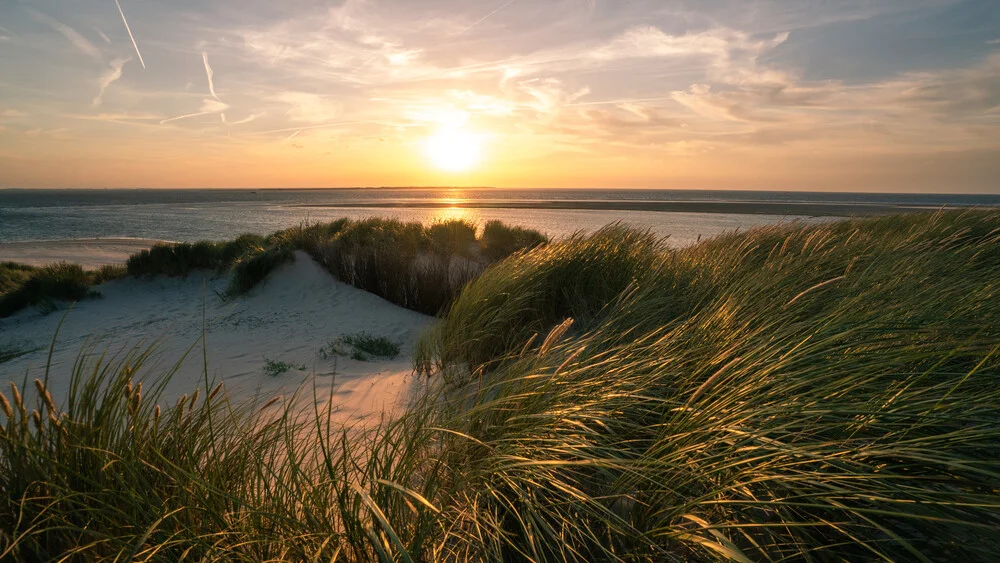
[299, 309]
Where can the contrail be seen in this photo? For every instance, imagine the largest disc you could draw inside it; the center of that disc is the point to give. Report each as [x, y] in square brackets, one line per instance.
[320, 126]
[613, 102]
[486, 17]
[129, 30]
[186, 116]
[209, 74]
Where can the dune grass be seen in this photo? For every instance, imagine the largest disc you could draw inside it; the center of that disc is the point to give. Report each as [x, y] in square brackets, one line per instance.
[415, 267]
[790, 393]
[254, 267]
[44, 286]
[361, 346]
[181, 259]
[824, 392]
[274, 368]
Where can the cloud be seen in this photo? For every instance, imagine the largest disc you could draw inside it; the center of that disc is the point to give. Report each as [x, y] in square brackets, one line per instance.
[955, 92]
[108, 77]
[248, 119]
[308, 108]
[209, 74]
[12, 113]
[79, 41]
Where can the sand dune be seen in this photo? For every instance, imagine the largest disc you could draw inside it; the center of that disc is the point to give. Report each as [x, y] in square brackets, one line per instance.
[297, 310]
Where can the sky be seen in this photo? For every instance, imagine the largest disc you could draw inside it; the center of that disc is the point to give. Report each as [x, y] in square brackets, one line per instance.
[845, 95]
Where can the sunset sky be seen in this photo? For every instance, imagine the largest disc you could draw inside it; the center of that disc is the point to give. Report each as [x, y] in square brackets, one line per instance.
[865, 95]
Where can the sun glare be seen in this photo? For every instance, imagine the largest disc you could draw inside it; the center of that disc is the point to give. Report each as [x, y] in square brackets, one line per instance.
[454, 150]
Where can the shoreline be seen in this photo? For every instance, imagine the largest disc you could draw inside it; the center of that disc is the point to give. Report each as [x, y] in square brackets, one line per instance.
[809, 209]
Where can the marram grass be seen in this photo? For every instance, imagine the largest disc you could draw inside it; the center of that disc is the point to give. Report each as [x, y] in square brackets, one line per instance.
[417, 267]
[791, 393]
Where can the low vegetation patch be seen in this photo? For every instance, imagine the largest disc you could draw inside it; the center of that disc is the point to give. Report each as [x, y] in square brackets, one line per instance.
[254, 267]
[183, 258]
[45, 286]
[361, 346]
[274, 368]
[418, 268]
[790, 393]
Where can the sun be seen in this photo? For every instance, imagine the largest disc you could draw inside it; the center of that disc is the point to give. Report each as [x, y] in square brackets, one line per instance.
[454, 150]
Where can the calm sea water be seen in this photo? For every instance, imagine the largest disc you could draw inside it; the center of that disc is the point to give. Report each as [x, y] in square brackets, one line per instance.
[188, 215]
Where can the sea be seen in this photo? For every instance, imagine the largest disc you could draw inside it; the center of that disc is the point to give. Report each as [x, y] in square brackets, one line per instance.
[683, 216]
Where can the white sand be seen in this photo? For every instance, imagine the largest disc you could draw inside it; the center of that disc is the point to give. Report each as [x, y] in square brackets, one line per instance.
[294, 313]
[89, 253]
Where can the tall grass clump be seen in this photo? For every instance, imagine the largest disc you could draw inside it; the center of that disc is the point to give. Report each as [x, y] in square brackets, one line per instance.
[500, 240]
[57, 282]
[396, 261]
[529, 293]
[254, 267]
[181, 259]
[115, 473]
[455, 236]
[825, 392]
[13, 275]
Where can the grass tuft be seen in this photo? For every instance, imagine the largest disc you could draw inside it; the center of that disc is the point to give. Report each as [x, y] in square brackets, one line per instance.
[58, 282]
[274, 368]
[361, 346]
[254, 267]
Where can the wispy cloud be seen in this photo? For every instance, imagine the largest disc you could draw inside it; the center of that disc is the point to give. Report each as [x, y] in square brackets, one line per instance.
[250, 118]
[308, 108]
[12, 113]
[75, 38]
[209, 74]
[108, 77]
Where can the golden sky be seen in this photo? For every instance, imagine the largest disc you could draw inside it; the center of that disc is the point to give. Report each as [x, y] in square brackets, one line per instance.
[858, 95]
